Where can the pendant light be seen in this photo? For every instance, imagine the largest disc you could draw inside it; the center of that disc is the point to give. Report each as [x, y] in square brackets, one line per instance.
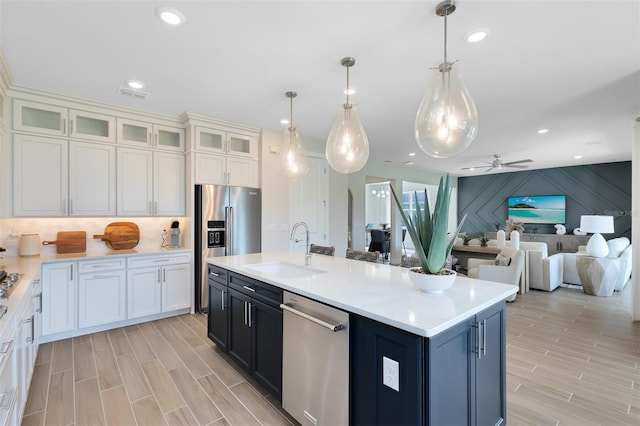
[447, 119]
[292, 155]
[347, 145]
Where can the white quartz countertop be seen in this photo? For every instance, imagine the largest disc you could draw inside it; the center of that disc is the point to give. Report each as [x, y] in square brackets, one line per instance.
[380, 292]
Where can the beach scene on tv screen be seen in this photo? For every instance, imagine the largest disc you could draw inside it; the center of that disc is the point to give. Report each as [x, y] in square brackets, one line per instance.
[537, 209]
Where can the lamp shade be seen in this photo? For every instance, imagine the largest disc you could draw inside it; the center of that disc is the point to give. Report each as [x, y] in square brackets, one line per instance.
[597, 224]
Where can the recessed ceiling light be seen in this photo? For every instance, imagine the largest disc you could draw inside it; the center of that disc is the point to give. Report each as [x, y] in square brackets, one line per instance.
[284, 121]
[577, 157]
[477, 35]
[412, 154]
[135, 84]
[170, 15]
[542, 131]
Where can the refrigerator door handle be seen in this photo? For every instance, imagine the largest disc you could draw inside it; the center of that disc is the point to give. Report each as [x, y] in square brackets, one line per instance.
[230, 231]
[227, 232]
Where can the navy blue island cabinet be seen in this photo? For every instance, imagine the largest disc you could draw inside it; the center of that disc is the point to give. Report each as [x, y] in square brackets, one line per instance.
[457, 377]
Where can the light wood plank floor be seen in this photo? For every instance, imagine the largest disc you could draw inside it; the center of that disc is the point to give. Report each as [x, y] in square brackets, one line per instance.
[572, 359]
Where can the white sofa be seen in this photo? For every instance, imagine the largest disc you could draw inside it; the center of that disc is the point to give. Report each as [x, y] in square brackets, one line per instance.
[618, 259]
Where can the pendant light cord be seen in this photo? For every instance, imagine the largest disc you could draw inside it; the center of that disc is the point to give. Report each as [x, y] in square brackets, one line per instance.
[348, 66]
[446, 13]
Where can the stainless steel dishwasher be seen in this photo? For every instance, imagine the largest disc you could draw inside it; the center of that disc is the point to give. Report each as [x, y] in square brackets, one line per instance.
[315, 361]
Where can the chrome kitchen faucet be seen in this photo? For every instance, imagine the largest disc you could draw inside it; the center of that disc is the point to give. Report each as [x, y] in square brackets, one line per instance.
[307, 256]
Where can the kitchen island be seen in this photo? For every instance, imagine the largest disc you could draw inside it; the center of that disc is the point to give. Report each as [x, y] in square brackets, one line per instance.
[448, 349]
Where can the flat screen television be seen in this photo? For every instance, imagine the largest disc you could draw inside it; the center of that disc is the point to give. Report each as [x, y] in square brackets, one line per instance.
[537, 209]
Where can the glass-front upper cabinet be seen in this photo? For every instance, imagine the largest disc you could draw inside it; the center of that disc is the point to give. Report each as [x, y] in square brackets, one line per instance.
[141, 134]
[221, 141]
[242, 145]
[208, 139]
[59, 121]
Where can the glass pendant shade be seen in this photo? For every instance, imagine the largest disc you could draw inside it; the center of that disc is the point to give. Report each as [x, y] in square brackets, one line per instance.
[347, 145]
[447, 119]
[293, 159]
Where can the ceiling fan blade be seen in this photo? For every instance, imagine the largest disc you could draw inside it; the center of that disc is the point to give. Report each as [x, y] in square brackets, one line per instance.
[517, 162]
[515, 166]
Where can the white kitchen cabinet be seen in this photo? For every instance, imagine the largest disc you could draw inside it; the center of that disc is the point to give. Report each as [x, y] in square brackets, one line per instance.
[54, 177]
[158, 284]
[150, 183]
[92, 179]
[226, 170]
[102, 292]
[220, 141]
[59, 121]
[40, 176]
[148, 135]
[168, 184]
[8, 379]
[59, 290]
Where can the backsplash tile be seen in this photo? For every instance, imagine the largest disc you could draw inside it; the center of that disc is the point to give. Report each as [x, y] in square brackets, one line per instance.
[150, 231]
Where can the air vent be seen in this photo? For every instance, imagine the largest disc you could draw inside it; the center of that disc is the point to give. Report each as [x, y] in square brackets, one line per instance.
[134, 93]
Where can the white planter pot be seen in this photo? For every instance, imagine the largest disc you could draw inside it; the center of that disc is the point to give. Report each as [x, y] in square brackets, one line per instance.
[431, 283]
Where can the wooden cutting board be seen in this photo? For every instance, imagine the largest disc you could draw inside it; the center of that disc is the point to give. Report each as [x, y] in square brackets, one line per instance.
[69, 242]
[120, 235]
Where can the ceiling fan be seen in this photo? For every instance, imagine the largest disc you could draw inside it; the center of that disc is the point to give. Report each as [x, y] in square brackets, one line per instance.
[498, 164]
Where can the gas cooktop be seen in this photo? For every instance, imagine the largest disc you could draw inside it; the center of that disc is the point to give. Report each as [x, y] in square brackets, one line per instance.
[7, 283]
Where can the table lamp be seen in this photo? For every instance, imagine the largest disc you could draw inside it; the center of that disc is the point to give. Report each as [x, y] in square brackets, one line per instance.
[597, 246]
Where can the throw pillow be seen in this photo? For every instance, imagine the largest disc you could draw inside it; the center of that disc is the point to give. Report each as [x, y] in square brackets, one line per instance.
[502, 260]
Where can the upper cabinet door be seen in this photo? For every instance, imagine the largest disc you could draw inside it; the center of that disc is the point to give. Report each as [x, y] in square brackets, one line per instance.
[210, 139]
[40, 118]
[169, 138]
[88, 125]
[169, 184]
[134, 133]
[92, 179]
[40, 176]
[242, 145]
[135, 182]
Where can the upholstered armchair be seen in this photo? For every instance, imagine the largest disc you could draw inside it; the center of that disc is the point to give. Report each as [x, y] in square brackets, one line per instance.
[506, 268]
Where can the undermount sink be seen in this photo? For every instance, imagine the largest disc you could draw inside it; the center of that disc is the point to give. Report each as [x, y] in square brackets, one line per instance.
[284, 269]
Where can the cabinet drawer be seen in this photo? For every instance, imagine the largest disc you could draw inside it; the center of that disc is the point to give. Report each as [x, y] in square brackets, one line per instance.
[218, 275]
[256, 289]
[87, 266]
[143, 262]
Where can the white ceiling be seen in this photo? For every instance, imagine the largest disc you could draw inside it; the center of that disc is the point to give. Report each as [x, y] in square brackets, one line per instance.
[570, 66]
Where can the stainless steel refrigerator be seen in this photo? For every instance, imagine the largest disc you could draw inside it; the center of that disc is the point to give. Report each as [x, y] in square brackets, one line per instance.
[227, 222]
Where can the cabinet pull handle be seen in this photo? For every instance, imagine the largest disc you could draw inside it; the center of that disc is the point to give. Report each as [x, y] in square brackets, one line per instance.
[245, 312]
[159, 277]
[156, 140]
[150, 138]
[64, 126]
[103, 275]
[150, 210]
[64, 206]
[222, 297]
[248, 288]
[7, 400]
[71, 266]
[70, 206]
[484, 337]
[29, 321]
[479, 339]
[155, 207]
[104, 265]
[215, 274]
[164, 275]
[250, 306]
[71, 127]
[39, 309]
[161, 260]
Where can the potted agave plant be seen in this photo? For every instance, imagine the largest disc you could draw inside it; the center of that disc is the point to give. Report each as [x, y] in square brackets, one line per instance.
[428, 232]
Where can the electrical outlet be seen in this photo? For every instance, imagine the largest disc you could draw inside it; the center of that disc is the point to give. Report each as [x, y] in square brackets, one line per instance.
[390, 373]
